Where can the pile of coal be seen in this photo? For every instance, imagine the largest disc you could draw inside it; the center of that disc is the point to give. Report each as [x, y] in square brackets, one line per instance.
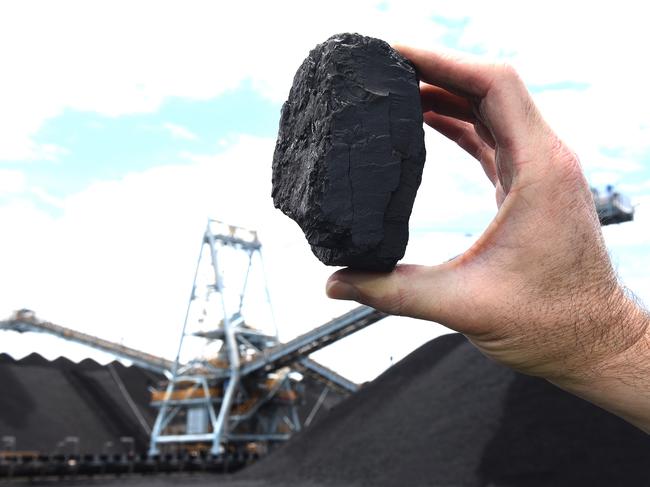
[43, 402]
[350, 152]
[448, 416]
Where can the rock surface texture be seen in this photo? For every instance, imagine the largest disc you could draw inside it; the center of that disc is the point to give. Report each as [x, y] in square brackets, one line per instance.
[350, 152]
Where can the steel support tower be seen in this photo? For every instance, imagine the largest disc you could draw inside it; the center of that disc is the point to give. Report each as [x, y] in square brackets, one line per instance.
[219, 405]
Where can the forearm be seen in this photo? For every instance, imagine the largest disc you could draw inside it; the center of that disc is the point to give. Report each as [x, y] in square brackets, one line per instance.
[621, 383]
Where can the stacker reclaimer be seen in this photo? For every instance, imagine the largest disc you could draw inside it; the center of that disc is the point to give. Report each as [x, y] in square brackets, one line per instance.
[243, 392]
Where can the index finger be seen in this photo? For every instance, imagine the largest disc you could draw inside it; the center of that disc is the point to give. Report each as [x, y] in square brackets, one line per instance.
[460, 76]
[500, 99]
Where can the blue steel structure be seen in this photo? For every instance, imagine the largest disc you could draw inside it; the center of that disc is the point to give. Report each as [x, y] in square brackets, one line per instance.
[206, 401]
[246, 393]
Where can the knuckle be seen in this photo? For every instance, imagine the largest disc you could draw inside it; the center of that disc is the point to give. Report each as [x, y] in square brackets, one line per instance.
[563, 155]
[507, 78]
[508, 72]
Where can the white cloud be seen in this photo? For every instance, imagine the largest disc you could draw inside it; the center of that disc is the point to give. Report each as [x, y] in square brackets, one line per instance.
[179, 132]
[454, 192]
[46, 198]
[11, 181]
[642, 186]
[120, 57]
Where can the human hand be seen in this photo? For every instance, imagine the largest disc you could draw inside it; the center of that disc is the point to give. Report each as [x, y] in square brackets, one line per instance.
[537, 291]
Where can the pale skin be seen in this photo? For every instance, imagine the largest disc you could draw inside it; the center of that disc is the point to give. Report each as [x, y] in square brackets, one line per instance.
[537, 291]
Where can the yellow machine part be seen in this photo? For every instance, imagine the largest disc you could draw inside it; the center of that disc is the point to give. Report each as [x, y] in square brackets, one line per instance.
[185, 393]
[218, 363]
[290, 395]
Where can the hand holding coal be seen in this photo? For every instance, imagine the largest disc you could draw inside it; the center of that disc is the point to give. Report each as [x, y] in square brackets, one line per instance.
[350, 152]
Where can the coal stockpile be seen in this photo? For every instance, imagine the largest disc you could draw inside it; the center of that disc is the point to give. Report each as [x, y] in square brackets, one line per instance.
[448, 416]
[316, 400]
[350, 152]
[44, 403]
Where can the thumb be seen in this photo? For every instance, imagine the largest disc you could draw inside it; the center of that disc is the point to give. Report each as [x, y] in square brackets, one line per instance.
[429, 293]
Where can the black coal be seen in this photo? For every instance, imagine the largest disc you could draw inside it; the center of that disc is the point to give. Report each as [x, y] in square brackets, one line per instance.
[350, 152]
[448, 416]
[44, 402]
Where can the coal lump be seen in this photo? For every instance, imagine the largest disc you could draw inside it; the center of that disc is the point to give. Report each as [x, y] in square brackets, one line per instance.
[350, 152]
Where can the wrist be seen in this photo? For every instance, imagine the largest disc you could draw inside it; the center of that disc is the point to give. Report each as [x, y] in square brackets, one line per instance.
[619, 381]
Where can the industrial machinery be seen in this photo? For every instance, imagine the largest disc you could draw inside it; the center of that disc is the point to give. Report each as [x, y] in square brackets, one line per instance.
[234, 384]
[25, 320]
[612, 206]
[207, 400]
[268, 367]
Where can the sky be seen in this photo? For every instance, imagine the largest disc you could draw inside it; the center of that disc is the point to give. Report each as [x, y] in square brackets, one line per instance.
[125, 125]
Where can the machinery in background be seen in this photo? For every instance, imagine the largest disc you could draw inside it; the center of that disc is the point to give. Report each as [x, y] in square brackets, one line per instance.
[612, 206]
[321, 385]
[234, 385]
[25, 320]
[270, 365]
[208, 400]
[239, 390]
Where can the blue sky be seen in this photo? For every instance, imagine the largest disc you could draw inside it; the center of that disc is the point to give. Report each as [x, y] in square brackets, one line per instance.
[116, 147]
[97, 147]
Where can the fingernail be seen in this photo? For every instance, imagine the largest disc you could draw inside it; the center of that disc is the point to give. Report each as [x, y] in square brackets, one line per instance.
[341, 290]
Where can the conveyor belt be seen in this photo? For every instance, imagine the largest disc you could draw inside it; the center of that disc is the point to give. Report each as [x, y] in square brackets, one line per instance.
[338, 328]
[26, 322]
[308, 343]
[325, 375]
